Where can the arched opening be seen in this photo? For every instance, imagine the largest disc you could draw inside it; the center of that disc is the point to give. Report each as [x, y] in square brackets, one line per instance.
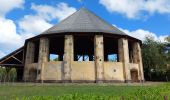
[134, 75]
[33, 74]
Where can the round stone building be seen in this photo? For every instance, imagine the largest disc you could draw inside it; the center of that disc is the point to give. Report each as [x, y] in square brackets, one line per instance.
[86, 49]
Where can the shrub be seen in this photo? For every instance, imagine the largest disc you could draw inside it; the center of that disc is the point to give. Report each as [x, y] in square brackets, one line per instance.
[3, 74]
[12, 75]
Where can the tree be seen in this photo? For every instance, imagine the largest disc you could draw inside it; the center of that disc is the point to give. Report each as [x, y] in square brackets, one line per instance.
[3, 74]
[153, 56]
[56, 59]
[12, 75]
[168, 39]
[167, 53]
[167, 48]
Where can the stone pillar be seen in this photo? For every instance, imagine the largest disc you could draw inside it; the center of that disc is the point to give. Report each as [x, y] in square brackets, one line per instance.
[68, 57]
[29, 59]
[137, 58]
[99, 58]
[43, 56]
[124, 58]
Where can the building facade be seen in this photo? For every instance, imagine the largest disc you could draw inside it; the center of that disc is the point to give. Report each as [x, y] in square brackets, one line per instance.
[87, 49]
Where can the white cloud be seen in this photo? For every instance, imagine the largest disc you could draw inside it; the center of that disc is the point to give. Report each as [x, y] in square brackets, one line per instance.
[8, 32]
[135, 8]
[9, 39]
[13, 37]
[59, 12]
[8, 5]
[141, 34]
[35, 24]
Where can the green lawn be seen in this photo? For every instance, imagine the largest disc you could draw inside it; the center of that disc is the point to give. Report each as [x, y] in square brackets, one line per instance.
[39, 91]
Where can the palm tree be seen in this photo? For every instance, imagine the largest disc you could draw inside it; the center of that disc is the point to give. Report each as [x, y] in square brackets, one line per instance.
[12, 75]
[3, 74]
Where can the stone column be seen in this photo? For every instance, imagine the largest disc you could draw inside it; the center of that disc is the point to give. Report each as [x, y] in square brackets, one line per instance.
[137, 58]
[29, 59]
[124, 58]
[43, 56]
[99, 58]
[68, 57]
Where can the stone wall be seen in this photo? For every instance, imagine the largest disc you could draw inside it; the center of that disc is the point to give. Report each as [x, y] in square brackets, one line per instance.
[133, 66]
[32, 72]
[113, 71]
[83, 71]
[91, 71]
[53, 70]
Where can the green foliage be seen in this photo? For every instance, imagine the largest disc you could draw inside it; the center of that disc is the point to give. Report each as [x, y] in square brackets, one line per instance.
[155, 60]
[83, 92]
[168, 39]
[167, 44]
[12, 75]
[153, 54]
[143, 93]
[56, 59]
[3, 74]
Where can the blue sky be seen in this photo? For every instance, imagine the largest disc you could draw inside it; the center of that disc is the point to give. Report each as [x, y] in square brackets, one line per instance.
[21, 19]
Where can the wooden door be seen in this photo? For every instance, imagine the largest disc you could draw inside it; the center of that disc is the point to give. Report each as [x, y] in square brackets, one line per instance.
[134, 75]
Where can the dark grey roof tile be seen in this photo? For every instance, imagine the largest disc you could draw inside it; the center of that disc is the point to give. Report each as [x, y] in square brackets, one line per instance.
[83, 21]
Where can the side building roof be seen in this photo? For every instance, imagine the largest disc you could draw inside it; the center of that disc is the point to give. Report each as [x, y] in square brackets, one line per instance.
[15, 58]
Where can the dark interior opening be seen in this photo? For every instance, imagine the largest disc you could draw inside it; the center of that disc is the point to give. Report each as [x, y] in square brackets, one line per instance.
[36, 53]
[130, 46]
[56, 48]
[110, 49]
[83, 48]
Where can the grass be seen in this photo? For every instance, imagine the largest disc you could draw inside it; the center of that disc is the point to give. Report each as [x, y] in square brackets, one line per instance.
[33, 91]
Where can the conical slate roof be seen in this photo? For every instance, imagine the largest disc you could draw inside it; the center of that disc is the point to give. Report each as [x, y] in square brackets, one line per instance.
[83, 21]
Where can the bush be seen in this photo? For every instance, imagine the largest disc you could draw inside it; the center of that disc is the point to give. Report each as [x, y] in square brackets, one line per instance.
[3, 74]
[12, 75]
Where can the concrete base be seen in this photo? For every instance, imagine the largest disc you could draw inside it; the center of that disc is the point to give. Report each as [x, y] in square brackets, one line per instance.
[99, 81]
[66, 81]
[113, 81]
[141, 81]
[81, 81]
[49, 81]
[128, 81]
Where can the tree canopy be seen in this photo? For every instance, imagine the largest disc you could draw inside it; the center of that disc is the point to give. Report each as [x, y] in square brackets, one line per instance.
[156, 56]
